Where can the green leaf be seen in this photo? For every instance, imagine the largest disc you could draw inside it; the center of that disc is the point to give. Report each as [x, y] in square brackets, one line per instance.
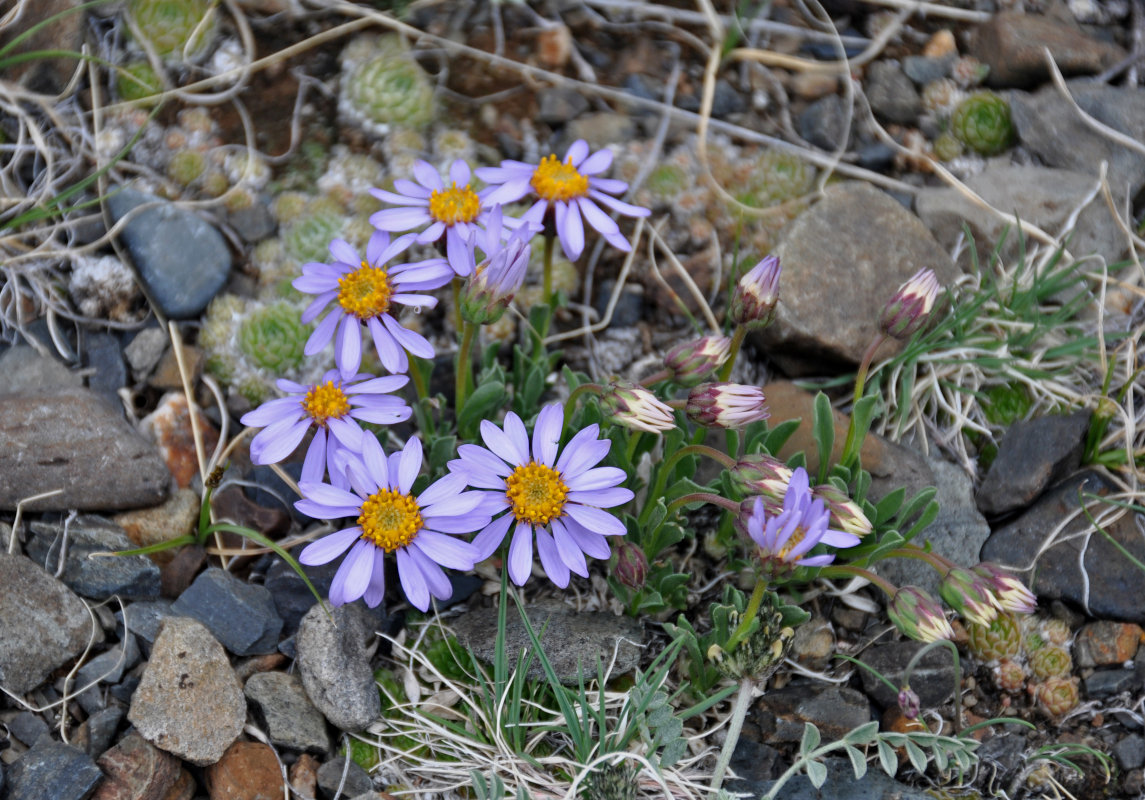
[886, 508]
[940, 758]
[778, 436]
[858, 761]
[817, 773]
[486, 398]
[673, 752]
[811, 738]
[887, 758]
[823, 432]
[865, 733]
[916, 755]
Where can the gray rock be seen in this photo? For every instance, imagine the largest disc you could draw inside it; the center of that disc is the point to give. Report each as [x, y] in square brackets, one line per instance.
[292, 598]
[45, 624]
[1012, 45]
[145, 350]
[291, 719]
[558, 106]
[600, 128]
[189, 702]
[103, 357]
[95, 734]
[891, 94]
[109, 666]
[339, 772]
[27, 727]
[957, 533]
[1130, 752]
[629, 305]
[1031, 455]
[72, 440]
[52, 770]
[1048, 125]
[842, 261]
[824, 122]
[753, 761]
[573, 641]
[932, 679]
[834, 710]
[1042, 196]
[97, 577]
[334, 662]
[924, 69]
[25, 370]
[254, 222]
[182, 259]
[841, 785]
[240, 615]
[143, 620]
[1104, 583]
[1108, 682]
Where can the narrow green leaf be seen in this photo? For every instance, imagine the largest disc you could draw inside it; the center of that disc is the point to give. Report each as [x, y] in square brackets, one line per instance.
[887, 758]
[858, 761]
[916, 755]
[823, 432]
[480, 405]
[817, 773]
[811, 739]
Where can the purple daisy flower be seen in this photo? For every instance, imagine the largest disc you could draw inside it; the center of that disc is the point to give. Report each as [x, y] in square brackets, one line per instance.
[454, 212]
[784, 538]
[558, 497]
[333, 407]
[418, 530]
[569, 188]
[365, 291]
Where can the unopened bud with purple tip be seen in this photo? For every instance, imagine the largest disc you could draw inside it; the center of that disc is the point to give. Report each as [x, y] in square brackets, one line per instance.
[761, 474]
[1009, 592]
[969, 595]
[691, 362]
[631, 565]
[845, 512]
[755, 295]
[909, 309]
[633, 406]
[725, 405]
[918, 615]
[494, 283]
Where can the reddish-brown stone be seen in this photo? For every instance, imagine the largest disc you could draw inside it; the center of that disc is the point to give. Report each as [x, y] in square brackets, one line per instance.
[247, 771]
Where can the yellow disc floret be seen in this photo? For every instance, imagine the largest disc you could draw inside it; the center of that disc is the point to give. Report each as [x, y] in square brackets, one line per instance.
[536, 493]
[365, 292]
[556, 180]
[390, 519]
[454, 205]
[789, 545]
[325, 400]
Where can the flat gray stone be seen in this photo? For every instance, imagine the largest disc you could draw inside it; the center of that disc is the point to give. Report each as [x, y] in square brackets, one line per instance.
[841, 785]
[892, 94]
[573, 641]
[843, 259]
[183, 260]
[52, 770]
[189, 702]
[1031, 455]
[97, 577]
[1012, 45]
[45, 624]
[932, 678]
[291, 719]
[240, 615]
[334, 662]
[834, 710]
[71, 440]
[25, 370]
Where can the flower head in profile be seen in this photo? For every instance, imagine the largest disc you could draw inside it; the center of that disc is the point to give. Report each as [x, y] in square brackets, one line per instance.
[846, 515]
[333, 407]
[756, 293]
[453, 212]
[553, 495]
[970, 595]
[366, 292]
[494, 282]
[1010, 593]
[911, 305]
[725, 405]
[632, 406]
[759, 473]
[918, 615]
[785, 539]
[691, 362]
[570, 189]
[420, 531]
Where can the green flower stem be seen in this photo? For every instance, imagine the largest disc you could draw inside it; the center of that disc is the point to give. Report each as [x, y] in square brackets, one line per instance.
[917, 657]
[914, 551]
[423, 420]
[669, 464]
[735, 726]
[848, 571]
[749, 615]
[737, 342]
[656, 377]
[547, 273]
[574, 395]
[630, 450]
[703, 497]
[463, 369]
[851, 446]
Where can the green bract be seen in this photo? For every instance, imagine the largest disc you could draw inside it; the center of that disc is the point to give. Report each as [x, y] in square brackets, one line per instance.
[173, 27]
[982, 123]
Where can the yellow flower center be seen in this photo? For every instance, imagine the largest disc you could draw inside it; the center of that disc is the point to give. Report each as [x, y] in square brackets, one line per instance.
[556, 180]
[365, 292]
[454, 205]
[789, 545]
[390, 519]
[325, 400]
[536, 493]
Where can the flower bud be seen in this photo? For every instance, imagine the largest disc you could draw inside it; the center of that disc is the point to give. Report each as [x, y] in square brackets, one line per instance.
[691, 362]
[628, 404]
[911, 305]
[969, 595]
[756, 293]
[918, 615]
[845, 512]
[909, 703]
[631, 565]
[1010, 594]
[725, 405]
[761, 474]
[493, 284]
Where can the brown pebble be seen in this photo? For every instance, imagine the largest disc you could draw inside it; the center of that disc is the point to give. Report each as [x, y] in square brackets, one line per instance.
[304, 775]
[266, 663]
[941, 44]
[247, 771]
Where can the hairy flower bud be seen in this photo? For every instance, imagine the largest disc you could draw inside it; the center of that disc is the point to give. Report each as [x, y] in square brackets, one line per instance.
[918, 615]
[909, 703]
[725, 405]
[969, 595]
[756, 293]
[1010, 593]
[631, 405]
[845, 512]
[631, 565]
[911, 305]
[492, 285]
[761, 474]
[691, 362]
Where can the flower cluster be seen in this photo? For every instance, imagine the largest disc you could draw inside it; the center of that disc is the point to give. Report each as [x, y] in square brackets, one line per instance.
[552, 499]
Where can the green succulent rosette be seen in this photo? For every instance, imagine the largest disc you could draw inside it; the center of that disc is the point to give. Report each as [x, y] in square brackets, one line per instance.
[982, 122]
